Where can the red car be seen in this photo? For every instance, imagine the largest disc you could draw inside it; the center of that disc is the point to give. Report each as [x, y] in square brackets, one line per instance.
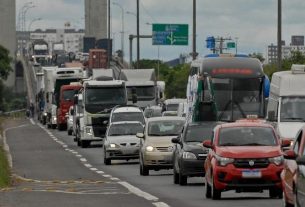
[244, 156]
[289, 174]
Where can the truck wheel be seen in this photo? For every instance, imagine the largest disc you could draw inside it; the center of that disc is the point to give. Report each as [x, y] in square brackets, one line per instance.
[69, 132]
[182, 179]
[60, 127]
[54, 126]
[275, 193]
[107, 161]
[84, 143]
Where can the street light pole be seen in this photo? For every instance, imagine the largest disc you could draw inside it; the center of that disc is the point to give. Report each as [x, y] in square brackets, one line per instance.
[122, 29]
[108, 46]
[33, 20]
[24, 16]
[194, 53]
[138, 35]
[279, 35]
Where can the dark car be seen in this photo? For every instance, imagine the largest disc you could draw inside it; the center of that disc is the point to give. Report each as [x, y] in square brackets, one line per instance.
[293, 179]
[189, 154]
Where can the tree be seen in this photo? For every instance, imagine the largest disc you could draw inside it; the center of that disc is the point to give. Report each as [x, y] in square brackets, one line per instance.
[5, 63]
[258, 56]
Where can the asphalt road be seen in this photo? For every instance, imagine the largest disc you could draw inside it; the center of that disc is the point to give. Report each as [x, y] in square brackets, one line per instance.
[49, 154]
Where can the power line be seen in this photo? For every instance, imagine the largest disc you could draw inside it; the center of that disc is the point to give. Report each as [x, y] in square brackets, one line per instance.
[147, 12]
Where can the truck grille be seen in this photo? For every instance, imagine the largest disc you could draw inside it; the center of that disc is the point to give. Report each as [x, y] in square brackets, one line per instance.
[251, 163]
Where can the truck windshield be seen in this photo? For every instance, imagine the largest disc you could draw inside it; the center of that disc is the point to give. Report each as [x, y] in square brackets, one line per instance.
[143, 93]
[106, 96]
[247, 136]
[68, 95]
[237, 98]
[293, 109]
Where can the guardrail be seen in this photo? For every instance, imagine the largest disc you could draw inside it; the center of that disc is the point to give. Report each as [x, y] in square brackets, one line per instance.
[15, 114]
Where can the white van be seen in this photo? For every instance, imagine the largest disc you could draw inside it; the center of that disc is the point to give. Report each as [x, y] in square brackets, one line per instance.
[286, 105]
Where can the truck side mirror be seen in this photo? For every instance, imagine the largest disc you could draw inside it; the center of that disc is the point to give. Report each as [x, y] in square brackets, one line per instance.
[271, 115]
[134, 95]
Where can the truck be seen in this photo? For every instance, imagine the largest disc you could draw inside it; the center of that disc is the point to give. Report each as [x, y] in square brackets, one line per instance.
[226, 88]
[66, 99]
[144, 84]
[39, 53]
[98, 99]
[286, 104]
[57, 78]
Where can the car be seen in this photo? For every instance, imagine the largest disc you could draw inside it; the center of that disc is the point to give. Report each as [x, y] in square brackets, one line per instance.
[127, 113]
[244, 156]
[153, 111]
[290, 172]
[300, 182]
[172, 104]
[156, 148]
[189, 155]
[121, 142]
[69, 117]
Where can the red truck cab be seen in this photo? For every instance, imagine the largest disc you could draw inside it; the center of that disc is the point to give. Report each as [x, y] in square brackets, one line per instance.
[66, 99]
[244, 156]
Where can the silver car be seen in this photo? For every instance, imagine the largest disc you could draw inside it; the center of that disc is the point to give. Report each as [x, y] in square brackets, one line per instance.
[69, 117]
[121, 142]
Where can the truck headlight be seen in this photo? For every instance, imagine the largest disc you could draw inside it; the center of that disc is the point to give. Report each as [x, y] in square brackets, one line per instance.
[223, 161]
[277, 160]
[189, 156]
[149, 148]
[54, 118]
[88, 130]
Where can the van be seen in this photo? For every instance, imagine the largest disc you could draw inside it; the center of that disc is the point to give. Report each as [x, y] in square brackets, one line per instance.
[287, 100]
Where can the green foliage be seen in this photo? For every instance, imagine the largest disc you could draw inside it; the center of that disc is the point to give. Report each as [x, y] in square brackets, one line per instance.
[5, 63]
[175, 78]
[258, 56]
[4, 169]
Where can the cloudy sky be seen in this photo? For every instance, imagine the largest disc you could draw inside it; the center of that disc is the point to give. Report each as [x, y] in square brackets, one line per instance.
[253, 22]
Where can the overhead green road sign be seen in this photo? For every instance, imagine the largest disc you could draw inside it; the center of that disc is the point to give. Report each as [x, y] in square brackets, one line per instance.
[170, 34]
[230, 45]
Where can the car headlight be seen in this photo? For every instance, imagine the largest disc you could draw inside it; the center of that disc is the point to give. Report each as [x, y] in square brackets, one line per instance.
[223, 161]
[45, 114]
[112, 145]
[71, 119]
[54, 118]
[89, 130]
[189, 156]
[277, 160]
[149, 148]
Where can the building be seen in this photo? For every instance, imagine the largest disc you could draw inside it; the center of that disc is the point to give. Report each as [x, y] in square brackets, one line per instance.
[8, 33]
[71, 38]
[96, 19]
[297, 44]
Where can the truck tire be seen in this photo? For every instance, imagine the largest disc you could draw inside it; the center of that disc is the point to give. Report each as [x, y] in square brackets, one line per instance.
[84, 143]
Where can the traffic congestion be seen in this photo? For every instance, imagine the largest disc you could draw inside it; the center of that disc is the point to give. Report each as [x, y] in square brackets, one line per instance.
[226, 132]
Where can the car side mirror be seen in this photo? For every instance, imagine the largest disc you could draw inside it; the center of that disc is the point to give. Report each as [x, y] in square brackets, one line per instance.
[176, 140]
[207, 144]
[301, 160]
[290, 155]
[140, 135]
[271, 115]
[285, 143]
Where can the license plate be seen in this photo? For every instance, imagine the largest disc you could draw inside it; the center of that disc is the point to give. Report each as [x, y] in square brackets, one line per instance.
[251, 174]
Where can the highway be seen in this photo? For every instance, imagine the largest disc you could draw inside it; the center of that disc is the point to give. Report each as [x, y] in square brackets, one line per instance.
[56, 172]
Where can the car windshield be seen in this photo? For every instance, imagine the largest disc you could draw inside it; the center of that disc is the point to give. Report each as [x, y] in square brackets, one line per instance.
[165, 127]
[128, 116]
[198, 133]
[293, 109]
[247, 136]
[125, 129]
[237, 98]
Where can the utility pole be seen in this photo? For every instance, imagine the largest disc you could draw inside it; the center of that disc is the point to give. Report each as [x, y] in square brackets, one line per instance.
[194, 53]
[138, 35]
[279, 35]
[109, 37]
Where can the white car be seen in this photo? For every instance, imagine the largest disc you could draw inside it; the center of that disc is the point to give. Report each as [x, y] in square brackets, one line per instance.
[121, 142]
[69, 117]
[127, 113]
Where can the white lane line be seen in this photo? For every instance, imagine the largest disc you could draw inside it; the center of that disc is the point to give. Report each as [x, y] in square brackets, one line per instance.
[88, 165]
[139, 192]
[74, 152]
[79, 156]
[65, 146]
[93, 169]
[115, 179]
[32, 121]
[100, 172]
[160, 204]
[83, 160]
[107, 176]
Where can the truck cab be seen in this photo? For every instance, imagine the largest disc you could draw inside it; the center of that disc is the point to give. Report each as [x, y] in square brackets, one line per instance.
[99, 97]
[287, 100]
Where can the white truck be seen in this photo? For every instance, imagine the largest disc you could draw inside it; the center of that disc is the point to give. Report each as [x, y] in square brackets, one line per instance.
[98, 99]
[144, 84]
[286, 104]
[48, 96]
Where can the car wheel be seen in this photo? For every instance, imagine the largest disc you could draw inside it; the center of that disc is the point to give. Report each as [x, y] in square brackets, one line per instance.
[216, 194]
[84, 143]
[275, 193]
[53, 126]
[208, 189]
[176, 177]
[182, 179]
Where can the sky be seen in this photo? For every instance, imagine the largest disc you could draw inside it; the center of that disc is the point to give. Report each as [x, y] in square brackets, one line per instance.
[253, 23]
